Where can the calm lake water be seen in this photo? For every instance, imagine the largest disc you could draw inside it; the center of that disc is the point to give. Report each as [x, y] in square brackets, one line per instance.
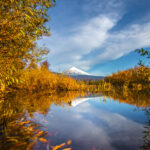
[91, 123]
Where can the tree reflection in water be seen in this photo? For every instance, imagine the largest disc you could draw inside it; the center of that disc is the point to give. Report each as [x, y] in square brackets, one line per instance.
[19, 129]
[141, 99]
[146, 132]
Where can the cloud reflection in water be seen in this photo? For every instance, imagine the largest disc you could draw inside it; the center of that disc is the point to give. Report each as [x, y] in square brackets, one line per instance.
[92, 127]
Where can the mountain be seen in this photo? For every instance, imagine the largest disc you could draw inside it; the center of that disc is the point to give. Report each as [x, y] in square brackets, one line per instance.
[81, 75]
[76, 71]
[78, 101]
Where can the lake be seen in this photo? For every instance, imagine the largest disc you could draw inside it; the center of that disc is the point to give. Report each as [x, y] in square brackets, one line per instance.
[75, 121]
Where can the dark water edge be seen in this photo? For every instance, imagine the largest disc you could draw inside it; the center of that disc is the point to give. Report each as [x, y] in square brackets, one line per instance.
[80, 121]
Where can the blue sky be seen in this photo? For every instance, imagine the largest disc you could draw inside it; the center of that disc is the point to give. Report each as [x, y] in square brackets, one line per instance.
[97, 36]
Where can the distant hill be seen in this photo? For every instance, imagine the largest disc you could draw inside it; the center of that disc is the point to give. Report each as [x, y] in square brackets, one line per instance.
[87, 77]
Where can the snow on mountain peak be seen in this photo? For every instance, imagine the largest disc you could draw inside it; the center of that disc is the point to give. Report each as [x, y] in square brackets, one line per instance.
[76, 71]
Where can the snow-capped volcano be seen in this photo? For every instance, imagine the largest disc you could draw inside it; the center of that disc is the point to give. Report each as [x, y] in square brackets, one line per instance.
[76, 71]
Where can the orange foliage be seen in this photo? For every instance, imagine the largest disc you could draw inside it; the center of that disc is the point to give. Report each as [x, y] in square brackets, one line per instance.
[132, 97]
[22, 23]
[137, 77]
[42, 79]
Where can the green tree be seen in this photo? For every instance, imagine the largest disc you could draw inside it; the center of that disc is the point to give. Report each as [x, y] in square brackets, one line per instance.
[22, 23]
[144, 53]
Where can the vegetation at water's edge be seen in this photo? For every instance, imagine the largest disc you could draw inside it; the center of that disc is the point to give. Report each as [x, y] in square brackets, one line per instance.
[22, 24]
[135, 78]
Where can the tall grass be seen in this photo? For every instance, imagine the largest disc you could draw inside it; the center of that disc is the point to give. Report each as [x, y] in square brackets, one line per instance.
[41, 79]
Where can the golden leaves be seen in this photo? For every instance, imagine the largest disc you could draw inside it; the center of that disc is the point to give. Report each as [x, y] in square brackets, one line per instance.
[21, 24]
[69, 142]
[24, 122]
[135, 78]
[59, 146]
[43, 140]
[30, 146]
[63, 145]
[42, 79]
[40, 133]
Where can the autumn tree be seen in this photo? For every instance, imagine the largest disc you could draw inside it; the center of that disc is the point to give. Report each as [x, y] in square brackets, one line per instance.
[45, 65]
[22, 23]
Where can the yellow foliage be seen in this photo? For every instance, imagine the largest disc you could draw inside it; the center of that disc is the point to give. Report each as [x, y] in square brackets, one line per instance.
[43, 140]
[137, 78]
[22, 23]
[43, 80]
[132, 97]
[62, 145]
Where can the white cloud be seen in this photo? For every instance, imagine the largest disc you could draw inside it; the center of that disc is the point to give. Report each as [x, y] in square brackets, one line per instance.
[94, 36]
[125, 41]
[87, 37]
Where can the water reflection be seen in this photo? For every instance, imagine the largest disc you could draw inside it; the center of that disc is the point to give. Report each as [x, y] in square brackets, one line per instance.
[89, 127]
[146, 131]
[18, 127]
[138, 98]
[107, 122]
